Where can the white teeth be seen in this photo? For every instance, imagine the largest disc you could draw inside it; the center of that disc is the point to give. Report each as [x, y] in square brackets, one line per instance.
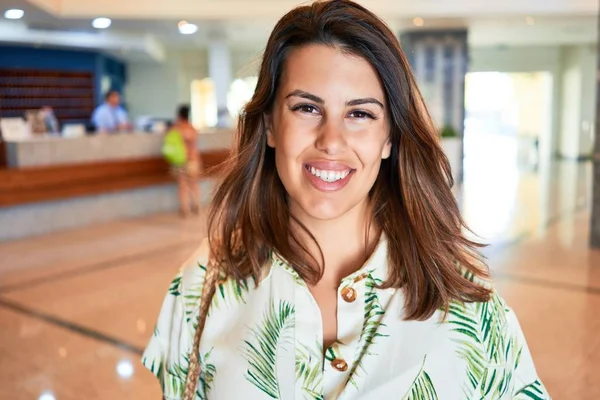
[329, 176]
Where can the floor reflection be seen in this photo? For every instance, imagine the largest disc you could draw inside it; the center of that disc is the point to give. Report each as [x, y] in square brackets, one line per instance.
[505, 198]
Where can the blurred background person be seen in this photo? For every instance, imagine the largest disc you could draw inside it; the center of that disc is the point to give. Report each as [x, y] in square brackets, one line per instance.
[50, 121]
[181, 151]
[110, 117]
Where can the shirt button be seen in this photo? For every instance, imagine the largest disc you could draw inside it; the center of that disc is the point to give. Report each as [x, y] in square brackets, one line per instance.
[339, 364]
[348, 294]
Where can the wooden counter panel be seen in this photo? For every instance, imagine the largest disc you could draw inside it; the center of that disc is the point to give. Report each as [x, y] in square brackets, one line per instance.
[28, 185]
[2, 154]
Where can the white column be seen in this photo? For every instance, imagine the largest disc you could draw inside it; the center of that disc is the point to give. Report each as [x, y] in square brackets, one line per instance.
[219, 69]
[588, 100]
[578, 101]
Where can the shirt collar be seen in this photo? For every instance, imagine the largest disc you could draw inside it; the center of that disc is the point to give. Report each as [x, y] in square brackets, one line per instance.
[376, 265]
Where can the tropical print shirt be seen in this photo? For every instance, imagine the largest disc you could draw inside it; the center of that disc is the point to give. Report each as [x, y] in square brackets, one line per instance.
[265, 342]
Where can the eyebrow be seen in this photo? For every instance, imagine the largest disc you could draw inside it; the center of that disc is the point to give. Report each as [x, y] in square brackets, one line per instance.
[317, 99]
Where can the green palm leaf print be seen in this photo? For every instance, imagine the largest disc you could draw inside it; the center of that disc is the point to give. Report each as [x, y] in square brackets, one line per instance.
[484, 346]
[373, 313]
[192, 296]
[231, 291]
[175, 287]
[156, 366]
[534, 391]
[261, 353]
[309, 371]
[207, 376]
[174, 379]
[177, 372]
[372, 326]
[422, 388]
[228, 291]
[281, 264]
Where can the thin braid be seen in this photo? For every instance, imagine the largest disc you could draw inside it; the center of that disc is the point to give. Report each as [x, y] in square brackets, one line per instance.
[208, 292]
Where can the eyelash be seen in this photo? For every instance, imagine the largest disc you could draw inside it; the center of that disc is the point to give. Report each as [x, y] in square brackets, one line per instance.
[303, 107]
[366, 114]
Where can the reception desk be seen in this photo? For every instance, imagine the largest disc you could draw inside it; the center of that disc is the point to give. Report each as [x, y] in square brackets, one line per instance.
[54, 183]
[48, 150]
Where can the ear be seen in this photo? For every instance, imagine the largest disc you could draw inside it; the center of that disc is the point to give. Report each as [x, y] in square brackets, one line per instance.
[268, 119]
[387, 149]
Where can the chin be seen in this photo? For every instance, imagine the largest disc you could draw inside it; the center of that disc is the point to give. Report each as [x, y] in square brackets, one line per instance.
[326, 210]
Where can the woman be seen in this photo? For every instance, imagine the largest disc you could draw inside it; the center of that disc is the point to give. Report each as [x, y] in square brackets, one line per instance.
[336, 245]
[187, 175]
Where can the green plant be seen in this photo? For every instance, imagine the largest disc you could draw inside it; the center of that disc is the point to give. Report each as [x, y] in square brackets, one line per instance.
[448, 132]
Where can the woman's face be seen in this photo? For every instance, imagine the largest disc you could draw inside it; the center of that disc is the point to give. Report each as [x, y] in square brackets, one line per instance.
[329, 128]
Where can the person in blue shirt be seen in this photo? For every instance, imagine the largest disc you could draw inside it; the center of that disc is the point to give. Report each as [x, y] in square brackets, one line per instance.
[110, 117]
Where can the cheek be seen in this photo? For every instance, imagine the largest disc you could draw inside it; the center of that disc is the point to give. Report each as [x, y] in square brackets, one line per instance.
[292, 141]
[289, 147]
[288, 164]
[370, 150]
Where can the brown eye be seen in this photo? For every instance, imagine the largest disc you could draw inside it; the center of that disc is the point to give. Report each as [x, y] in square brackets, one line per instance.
[306, 108]
[361, 115]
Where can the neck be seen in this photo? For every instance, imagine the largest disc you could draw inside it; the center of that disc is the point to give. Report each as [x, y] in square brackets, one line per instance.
[346, 242]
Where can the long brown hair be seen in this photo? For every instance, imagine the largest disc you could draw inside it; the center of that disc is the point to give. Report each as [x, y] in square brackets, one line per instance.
[412, 203]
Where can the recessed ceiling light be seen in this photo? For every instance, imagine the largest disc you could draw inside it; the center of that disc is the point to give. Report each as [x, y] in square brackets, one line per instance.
[530, 20]
[101, 23]
[418, 21]
[14, 13]
[185, 28]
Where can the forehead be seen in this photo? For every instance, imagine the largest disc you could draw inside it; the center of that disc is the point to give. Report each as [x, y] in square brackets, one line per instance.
[329, 72]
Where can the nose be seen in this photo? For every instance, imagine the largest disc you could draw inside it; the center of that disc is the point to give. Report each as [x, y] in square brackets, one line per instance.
[331, 139]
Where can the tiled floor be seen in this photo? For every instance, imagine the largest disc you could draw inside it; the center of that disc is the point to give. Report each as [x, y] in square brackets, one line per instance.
[77, 307]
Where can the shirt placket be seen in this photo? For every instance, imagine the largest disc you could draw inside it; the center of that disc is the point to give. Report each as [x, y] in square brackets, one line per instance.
[308, 342]
[339, 366]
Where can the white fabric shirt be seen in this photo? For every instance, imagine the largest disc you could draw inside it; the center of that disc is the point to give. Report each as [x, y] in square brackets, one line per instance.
[265, 342]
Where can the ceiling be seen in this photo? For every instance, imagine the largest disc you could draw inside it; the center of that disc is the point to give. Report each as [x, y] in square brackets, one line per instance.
[143, 30]
[244, 9]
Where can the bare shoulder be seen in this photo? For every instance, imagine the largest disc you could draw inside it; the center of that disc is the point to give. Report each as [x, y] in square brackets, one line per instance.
[189, 131]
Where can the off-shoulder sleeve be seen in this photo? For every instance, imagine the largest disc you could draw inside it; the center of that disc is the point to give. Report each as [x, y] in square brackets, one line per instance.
[167, 353]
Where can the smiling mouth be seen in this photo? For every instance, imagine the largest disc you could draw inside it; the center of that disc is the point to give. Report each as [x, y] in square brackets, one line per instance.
[328, 175]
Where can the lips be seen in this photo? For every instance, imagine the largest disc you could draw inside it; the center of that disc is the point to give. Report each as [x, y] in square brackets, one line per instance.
[328, 176]
[328, 165]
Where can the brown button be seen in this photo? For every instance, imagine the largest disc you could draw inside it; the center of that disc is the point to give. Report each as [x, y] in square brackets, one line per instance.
[339, 364]
[349, 294]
